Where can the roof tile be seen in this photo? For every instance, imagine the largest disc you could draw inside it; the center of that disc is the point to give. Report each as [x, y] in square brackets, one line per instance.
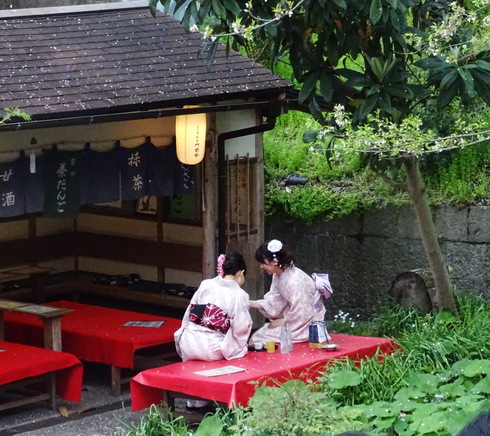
[97, 62]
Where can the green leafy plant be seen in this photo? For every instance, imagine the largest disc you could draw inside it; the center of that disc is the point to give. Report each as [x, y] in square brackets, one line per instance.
[435, 404]
[222, 423]
[295, 409]
[373, 379]
[159, 421]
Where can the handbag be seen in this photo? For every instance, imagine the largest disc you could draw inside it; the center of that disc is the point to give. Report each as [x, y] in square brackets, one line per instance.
[322, 284]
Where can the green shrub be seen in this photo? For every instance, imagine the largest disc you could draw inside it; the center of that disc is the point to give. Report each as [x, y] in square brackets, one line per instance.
[294, 409]
[456, 177]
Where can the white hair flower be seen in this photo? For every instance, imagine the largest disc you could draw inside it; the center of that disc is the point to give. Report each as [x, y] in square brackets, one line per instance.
[274, 246]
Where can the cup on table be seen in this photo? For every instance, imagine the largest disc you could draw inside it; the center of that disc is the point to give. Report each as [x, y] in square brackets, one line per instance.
[270, 346]
[258, 346]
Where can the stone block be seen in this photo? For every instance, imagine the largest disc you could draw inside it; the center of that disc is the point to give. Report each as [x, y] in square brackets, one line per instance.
[470, 264]
[479, 224]
[382, 222]
[407, 226]
[451, 223]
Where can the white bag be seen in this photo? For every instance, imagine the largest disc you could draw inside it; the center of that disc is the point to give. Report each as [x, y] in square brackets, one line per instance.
[322, 283]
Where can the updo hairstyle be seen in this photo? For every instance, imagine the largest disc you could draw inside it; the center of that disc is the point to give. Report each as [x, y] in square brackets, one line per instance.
[283, 257]
[233, 263]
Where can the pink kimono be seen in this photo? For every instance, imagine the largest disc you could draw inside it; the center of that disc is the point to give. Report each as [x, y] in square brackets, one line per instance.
[217, 323]
[294, 298]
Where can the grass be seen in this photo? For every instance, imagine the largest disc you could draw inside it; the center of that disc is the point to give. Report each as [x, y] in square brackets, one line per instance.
[455, 178]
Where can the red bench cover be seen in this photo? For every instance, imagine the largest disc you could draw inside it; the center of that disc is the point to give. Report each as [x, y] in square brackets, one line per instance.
[94, 333]
[18, 362]
[303, 363]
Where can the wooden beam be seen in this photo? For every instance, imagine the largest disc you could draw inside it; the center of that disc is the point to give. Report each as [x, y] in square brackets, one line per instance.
[32, 250]
[119, 248]
[140, 251]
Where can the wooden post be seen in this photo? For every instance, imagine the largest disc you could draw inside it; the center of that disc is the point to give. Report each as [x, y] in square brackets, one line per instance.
[209, 208]
[52, 333]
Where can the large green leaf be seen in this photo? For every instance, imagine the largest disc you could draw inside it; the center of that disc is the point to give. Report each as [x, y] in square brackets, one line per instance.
[310, 136]
[484, 65]
[153, 7]
[446, 95]
[432, 423]
[326, 89]
[449, 79]
[429, 63]
[401, 91]
[385, 102]
[341, 3]
[218, 8]
[477, 367]
[205, 10]
[468, 81]
[395, 21]
[375, 11]
[344, 379]
[426, 382]
[366, 107]
[209, 426]
[232, 6]
[481, 75]
[483, 90]
[308, 89]
[482, 387]
[316, 110]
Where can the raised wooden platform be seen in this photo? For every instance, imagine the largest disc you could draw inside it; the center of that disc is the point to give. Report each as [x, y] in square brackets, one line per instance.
[76, 284]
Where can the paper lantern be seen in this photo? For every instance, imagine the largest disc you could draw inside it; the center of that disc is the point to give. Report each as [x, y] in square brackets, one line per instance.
[190, 133]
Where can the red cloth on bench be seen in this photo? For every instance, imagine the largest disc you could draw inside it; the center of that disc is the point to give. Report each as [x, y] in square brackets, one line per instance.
[94, 333]
[18, 362]
[148, 387]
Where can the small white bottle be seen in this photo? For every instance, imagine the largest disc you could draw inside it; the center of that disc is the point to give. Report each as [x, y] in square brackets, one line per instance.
[286, 339]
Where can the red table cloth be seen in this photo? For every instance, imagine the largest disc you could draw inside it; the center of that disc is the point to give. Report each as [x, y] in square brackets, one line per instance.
[18, 362]
[94, 333]
[149, 386]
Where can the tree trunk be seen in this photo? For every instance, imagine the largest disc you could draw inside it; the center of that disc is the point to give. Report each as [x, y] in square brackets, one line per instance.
[442, 281]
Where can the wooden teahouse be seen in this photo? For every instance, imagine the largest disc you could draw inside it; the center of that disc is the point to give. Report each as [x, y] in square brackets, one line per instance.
[100, 78]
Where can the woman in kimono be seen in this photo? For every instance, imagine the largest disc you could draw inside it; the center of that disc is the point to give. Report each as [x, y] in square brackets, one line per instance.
[217, 323]
[293, 297]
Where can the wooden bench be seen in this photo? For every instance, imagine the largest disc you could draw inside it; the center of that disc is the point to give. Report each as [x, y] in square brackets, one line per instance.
[97, 334]
[50, 317]
[23, 368]
[182, 379]
[28, 396]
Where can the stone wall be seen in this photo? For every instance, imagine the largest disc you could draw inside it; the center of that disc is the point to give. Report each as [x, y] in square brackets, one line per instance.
[364, 253]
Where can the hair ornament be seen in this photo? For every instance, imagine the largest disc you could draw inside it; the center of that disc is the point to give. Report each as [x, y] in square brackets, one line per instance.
[219, 267]
[274, 246]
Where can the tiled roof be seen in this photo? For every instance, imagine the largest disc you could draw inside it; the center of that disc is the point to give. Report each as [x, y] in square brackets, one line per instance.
[113, 60]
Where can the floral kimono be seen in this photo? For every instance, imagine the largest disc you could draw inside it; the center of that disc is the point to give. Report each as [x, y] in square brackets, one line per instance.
[216, 324]
[293, 298]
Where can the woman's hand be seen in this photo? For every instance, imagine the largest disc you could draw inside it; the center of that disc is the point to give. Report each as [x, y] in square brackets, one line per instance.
[273, 323]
